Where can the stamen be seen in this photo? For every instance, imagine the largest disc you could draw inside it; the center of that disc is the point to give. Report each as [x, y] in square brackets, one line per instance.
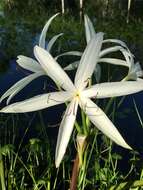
[88, 80]
[96, 111]
[48, 100]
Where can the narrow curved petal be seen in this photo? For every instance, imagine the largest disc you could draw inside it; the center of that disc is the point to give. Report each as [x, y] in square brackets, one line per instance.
[140, 79]
[12, 95]
[110, 50]
[44, 31]
[71, 66]
[74, 53]
[132, 75]
[116, 41]
[113, 89]
[52, 41]
[138, 69]
[29, 64]
[53, 69]
[89, 29]
[65, 130]
[88, 61]
[38, 102]
[97, 72]
[113, 61]
[134, 72]
[17, 87]
[102, 122]
[128, 57]
[124, 50]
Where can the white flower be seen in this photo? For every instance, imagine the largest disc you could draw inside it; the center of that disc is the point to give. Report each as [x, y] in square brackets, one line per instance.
[77, 94]
[37, 71]
[32, 65]
[135, 71]
[119, 46]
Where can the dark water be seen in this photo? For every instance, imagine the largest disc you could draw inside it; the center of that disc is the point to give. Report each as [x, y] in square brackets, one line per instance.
[19, 32]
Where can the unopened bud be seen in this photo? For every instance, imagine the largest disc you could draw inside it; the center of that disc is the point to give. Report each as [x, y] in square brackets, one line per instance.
[81, 145]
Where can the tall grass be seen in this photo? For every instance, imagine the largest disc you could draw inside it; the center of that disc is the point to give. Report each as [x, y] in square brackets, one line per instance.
[30, 165]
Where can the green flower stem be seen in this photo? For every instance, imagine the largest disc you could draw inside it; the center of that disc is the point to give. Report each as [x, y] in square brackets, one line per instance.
[48, 185]
[84, 169]
[80, 155]
[91, 151]
[77, 127]
[85, 130]
[2, 178]
[55, 181]
[82, 173]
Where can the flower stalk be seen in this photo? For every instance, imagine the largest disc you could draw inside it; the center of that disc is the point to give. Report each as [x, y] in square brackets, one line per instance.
[2, 178]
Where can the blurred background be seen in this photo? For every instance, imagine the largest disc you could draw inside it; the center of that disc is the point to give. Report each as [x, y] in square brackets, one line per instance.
[22, 21]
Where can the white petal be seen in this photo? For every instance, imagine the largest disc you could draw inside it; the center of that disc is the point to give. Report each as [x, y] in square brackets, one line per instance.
[125, 50]
[88, 61]
[65, 130]
[71, 66]
[74, 53]
[97, 72]
[12, 95]
[19, 86]
[113, 89]
[140, 73]
[38, 102]
[116, 41]
[128, 57]
[52, 41]
[29, 64]
[135, 71]
[113, 61]
[44, 31]
[138, 69]
[53, 69]
[140, 79]
[110, 50]
[131, 76]
[102, 122]
[89, 29]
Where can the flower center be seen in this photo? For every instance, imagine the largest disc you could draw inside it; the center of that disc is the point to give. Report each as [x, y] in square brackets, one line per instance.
[77, 94]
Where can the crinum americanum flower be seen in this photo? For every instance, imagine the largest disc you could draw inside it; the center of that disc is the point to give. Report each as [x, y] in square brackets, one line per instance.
[36, 70]
[77, 93]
